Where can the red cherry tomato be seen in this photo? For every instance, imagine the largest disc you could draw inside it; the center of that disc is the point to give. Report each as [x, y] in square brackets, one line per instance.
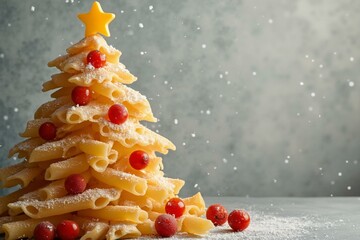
[47, 131]
[217, 214]
[81, 95]
[96, 58]
[75, 184]
[175, 206]
[166, 225]
[139, 160]
[118, 113]
[239, 220]
[44, 231]
[67, 230]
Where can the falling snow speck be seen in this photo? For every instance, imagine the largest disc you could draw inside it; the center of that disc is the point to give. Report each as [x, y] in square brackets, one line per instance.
[310, 108]
[221, 76]
[340, 174]
[151, 7]
[306, 56]
[193, 135]
[196, 185]
[274, 180]
[9, 24]
[176, 121]
[208, 112]
[352, 59]
[2, 55]
[301, 83]
[351, 84]
[313, 94]
[332, 182]
[224, 160]
[254, 73]
[270, 21]
[235, 168]
[203, 45]
[184, 143]
[32, 8]
[16, 109]
[141, 25]
[286, 161]
[349, 188]
[6, 117]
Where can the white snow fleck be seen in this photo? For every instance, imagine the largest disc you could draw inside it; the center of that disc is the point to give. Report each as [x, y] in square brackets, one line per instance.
[141, 25]
[351, 84]
[352, 59]
[310, 108]
[321, 66]
[306, 56]
[274, 180]
[313, 94]
[184, 143]
[235, 168]
[332, 182]
[9, 24]
[6, 117]
[16, 109]
[301, 83]
[166, 82]
[207, 141]
[208, 112]
[176, 121]
[312, 60]
[226, 72]
[193, 135]
[32, 8]
[286, 161]
[2, 55]
[203, 45]
[151, 7]
[224, 160]
[254, 73]
[196, 185]
[220, 75]
[288, 157]
[270, 21]
[340, 174]
[349, 188]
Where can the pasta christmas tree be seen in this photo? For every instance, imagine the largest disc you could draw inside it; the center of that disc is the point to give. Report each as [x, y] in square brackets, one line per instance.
[89, 166]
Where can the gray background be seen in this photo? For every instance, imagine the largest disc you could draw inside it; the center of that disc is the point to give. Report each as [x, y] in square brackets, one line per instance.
[260, 97]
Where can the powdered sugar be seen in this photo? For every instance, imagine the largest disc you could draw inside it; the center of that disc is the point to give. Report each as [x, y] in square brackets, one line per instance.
[269, 227]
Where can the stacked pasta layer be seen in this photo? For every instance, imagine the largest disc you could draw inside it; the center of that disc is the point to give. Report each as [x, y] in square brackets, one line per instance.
[119, 201]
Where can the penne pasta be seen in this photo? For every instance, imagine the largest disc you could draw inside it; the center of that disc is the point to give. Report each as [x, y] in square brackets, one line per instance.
[122, 180]
[90, 199]
[117, 231]
[62, 169]
[132, 214]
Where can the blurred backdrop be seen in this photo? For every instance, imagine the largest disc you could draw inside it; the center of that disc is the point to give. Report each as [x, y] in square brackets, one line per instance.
[261, 98]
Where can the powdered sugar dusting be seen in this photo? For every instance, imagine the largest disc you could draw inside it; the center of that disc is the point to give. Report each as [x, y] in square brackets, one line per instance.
[269, 227]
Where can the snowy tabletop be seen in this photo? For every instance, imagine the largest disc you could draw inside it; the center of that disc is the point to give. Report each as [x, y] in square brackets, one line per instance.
[292, 218]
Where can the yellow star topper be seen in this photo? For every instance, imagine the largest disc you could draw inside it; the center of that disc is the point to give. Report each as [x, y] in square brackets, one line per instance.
[96, 21]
